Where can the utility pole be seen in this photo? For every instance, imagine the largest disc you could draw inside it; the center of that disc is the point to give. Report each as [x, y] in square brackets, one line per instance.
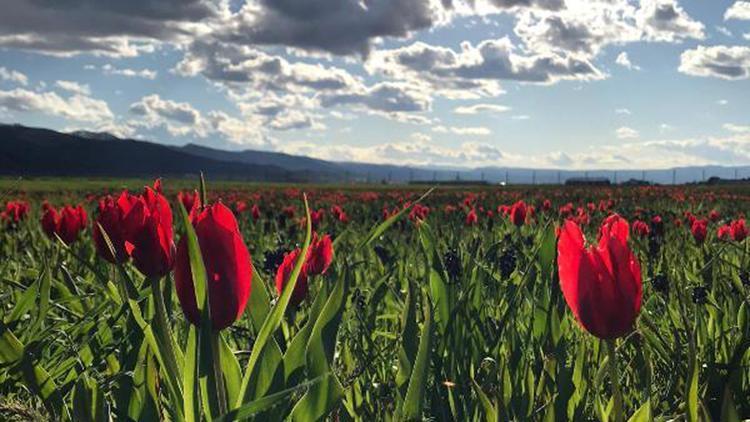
[506, 177]
[674, 176]
[559, 177]
[533, 177]
[615, 176]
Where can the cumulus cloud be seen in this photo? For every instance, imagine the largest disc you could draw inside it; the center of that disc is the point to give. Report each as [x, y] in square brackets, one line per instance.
[74, 87]
[480, 67]
[624, 61]
[13, 76]
[335, 26]
[720, 61]
[464, 131]
[108, 69]
[76, 107]
[625, 132]
[739, 10]
[386, 97]
[736, 128]
[666, 20]
[112, 28]
[481, 108]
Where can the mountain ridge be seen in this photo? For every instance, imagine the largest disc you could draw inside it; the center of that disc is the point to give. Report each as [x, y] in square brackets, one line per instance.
[30, 151]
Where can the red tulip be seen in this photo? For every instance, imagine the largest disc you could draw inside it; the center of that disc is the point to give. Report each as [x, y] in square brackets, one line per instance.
[111, 217]
[601, 284]
[471, 218]
[739, 230]
[189, 200]
[255, 211]
[699, 229]
[228, 268]
[285, 271]
[518, 213]
[318, 260]
[641, 228]
[724, 232]
[148, 234]
[14, 213]
[320, 255]
[66, 224]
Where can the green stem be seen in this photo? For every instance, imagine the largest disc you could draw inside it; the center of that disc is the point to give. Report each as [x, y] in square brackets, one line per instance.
[614, 377]
[163, 330]
[221, 393]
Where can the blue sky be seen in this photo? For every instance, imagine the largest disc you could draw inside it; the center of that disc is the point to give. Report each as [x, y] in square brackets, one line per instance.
[578, 84]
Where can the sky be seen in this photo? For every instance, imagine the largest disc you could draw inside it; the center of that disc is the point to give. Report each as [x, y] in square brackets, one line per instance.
[569, 84]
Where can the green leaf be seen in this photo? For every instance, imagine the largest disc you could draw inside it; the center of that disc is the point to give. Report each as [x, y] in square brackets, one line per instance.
[323, 397]
[414, 401]
[643, 414]
[256, 407]
[376, 231]
[490, 412]
[88, 401]
[274, 318]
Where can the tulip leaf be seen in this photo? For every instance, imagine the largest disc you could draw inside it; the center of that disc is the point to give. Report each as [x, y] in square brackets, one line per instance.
[376, 231]
[274, 318]
[415, 394]
[321, 398]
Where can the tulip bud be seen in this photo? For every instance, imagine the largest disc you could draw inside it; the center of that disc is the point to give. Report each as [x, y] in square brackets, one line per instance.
[228, 268]
[148, 234]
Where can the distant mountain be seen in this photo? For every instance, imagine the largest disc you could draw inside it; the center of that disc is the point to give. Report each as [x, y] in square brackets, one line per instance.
[289, 162]
[43, 152]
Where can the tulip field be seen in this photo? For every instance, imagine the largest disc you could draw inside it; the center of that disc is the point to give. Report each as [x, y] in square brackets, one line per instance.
[188, 300]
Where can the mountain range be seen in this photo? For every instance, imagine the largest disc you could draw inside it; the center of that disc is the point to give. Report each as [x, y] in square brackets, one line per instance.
[26, 151]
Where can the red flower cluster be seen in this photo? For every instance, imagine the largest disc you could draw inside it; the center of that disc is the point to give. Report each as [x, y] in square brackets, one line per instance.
[318, 260]
[14, 213]
[66, 223]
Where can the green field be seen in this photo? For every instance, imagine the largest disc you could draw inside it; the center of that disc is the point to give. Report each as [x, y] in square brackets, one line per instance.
[423, 314]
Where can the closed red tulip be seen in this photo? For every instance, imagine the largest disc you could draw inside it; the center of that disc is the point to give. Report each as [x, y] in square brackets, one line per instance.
[471, 218]
[739, 230]
[228, 268]
[602, 283]
[518, 213]
[320, 255]
[699, 229]
[318, 260]
[111, 216]
[148, 234]
[641, 229]
[285, 271]
[66, 223]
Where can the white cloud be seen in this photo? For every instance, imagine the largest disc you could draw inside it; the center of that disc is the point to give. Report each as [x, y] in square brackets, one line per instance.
[13, 76]
[624, 61]
[722, 102]
[625, 132]
[481, 108]
[108, 69]
[736, 128]
[74, 87]
[76, 107]
[623, 111]
[466, 131]
[110, 28]
[739, 10]
[720, 61]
